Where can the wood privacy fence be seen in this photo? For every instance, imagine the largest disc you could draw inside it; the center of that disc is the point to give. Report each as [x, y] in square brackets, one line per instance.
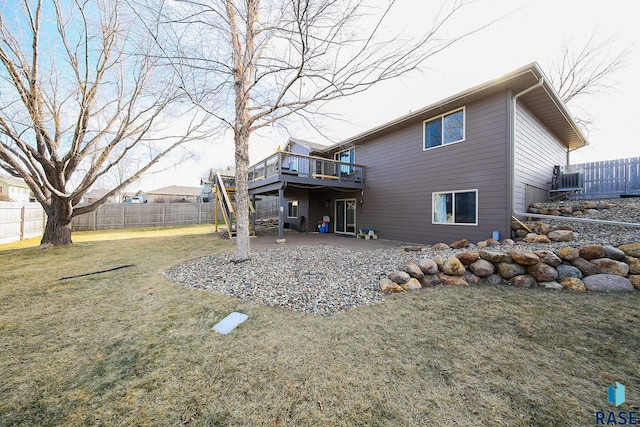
[140, 215]
[19, 221]
[609, 178]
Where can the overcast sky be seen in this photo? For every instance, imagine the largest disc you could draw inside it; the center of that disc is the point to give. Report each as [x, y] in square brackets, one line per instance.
[535, 31]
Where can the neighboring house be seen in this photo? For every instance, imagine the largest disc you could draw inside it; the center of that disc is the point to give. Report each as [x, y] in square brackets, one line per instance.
[14, 189]
[459, 168]
[98, 193]
[174, 194]
[207, 194]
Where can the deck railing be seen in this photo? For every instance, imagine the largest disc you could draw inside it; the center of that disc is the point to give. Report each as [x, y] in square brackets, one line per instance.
[284, 164]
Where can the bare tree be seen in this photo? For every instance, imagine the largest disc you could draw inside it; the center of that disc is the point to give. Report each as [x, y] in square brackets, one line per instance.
[276, 59]
[81, 92]
[586, 71]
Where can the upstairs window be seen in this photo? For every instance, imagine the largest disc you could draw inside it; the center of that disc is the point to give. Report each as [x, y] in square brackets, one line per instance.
[445, 129]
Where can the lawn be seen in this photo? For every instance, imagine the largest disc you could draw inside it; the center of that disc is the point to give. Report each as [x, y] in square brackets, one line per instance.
[127, 347]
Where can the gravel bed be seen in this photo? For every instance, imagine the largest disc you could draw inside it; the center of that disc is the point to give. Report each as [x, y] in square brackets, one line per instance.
[324, 280]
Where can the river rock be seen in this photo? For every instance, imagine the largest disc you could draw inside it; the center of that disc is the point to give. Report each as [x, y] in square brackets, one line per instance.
[561, 235]
[613, 253]
[471, 278]
[430, 280]
[635, 280]
[460, 244]
[607, 282]
[440, 247]
[585, 266]
[494, 256]
[551, 285]
[634, 264]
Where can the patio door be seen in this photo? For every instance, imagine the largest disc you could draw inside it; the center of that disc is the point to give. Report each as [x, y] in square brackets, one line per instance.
[345, 216]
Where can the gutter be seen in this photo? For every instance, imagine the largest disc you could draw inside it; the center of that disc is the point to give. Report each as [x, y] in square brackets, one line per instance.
[512, 147]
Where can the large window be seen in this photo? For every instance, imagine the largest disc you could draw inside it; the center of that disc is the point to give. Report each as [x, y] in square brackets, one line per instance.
[455, 207]
[444, 129]
[346, 156]
[292, 209]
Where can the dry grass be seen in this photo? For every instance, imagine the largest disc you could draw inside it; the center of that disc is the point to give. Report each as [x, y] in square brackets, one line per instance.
[128, 348]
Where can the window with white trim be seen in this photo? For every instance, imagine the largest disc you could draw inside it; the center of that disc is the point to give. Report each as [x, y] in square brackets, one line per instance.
[455, 207]
[292, 209]
[445, 129]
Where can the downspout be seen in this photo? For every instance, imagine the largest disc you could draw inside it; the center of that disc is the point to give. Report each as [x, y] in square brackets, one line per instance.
[514, 212]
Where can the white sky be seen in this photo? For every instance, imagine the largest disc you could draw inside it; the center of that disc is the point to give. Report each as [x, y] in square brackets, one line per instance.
[535, 31]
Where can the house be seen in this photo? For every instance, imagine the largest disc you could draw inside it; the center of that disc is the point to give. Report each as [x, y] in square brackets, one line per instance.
[98, 193]
[174, 194]
[14, 189]
[458, 168]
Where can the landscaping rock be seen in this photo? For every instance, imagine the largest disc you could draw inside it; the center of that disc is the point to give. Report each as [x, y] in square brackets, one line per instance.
[440, 247]
[635, 281]
[430, 280]
[471, 278]
[494, 257]
[585, 266]
[561, 236]
[631, 249]
[551, 285]
[543, 272]
[428, 266]
[400, 277]
[549, 257]
[494, 279]
[524, 281]
[573, 284]
[467, 258]
[453, 267]
[523, 257]
[389, 286]
[565, 271]
[459, 244]
[609, 266]
[634, 264]
[590, 252]
[508, 271]
[482, 268]
[412, 285]
[613, 253]
[414, 270]
[568, 253]
[452, 280]
[607, 282]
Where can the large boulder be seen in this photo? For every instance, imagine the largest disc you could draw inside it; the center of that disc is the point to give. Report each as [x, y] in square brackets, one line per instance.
[573, 284]
[520, 256]
[631, 249]
[610, 266]
[607, 282]
[585, 266]
[430, 280]
[399, 277]
[549, 257]
[494, 256]
[453, 267]
[412, 285]
[507, 270]
[414, 270]
[568, 253]
[469, 257]
[561, 235]
[590, 252]
[565, 270]
[389, 286]
[543, 272]
[634, 264]
[614, 253]
[428, 266]
[452, 280]
[482, 268]
[524, 281]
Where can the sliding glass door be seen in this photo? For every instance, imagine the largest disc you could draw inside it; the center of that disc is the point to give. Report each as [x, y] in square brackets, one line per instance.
[345, 216]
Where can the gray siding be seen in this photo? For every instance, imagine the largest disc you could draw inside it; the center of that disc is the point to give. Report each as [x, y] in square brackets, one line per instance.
[536, 152]
[401, 177]
[302, 196]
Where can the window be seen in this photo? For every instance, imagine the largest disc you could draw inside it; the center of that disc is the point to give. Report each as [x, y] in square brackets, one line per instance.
[345, 156]
[455, 207]
[292, 209]
[444, 129]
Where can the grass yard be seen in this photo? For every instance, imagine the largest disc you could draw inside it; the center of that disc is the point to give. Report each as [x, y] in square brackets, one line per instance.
[129, 348]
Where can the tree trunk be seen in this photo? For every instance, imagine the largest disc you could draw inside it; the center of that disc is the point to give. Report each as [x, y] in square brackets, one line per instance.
[57, 231]
[243, 245]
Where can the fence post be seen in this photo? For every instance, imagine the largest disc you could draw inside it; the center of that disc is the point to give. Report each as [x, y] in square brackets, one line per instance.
[123, 215]
[22, 219]
[95, 219]
[164, 212]
[199, 213]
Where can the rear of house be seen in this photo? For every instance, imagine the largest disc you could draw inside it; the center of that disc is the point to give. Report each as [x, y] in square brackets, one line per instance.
[457, 169]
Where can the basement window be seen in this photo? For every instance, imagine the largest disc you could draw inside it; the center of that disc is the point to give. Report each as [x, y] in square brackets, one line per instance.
[292, 209]
[455, 207]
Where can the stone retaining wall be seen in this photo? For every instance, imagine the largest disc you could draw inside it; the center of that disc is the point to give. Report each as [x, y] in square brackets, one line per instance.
[590, 267]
